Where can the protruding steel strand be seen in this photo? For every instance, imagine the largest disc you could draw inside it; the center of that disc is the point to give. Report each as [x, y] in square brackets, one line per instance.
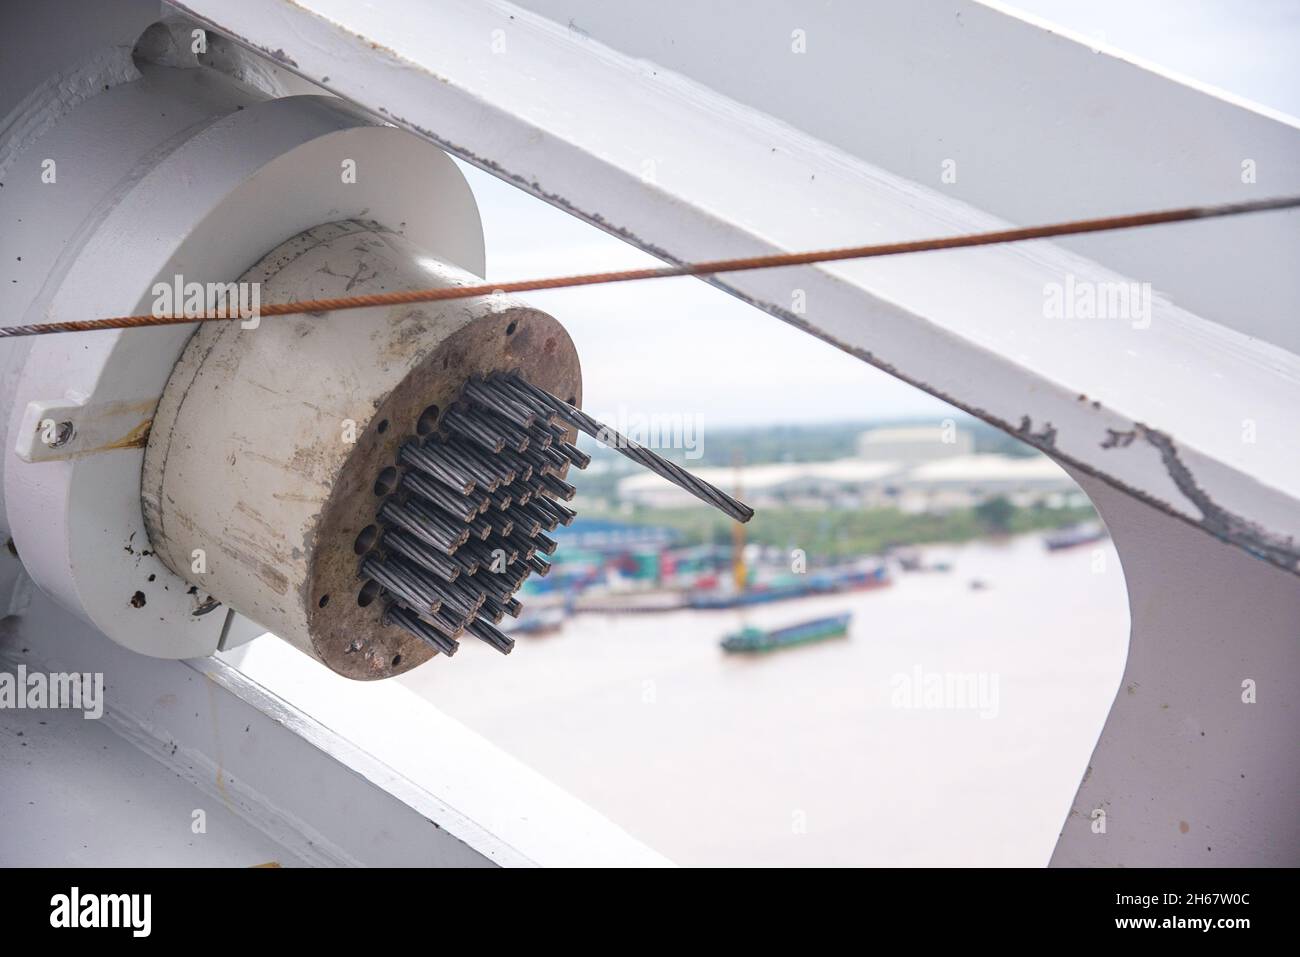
[481, 500]
[435, 450]
[508, 383]
[493, 636]
[674, 473]
[469, 564]
[455, 621]
[422, 582]
[481, 528]
[473, 468]
[492, 611]
[519, 493]
[541, 462]
[480, 554]
[395, 514]
[526, 523]
[401, 584]
[467, 585]
[471, 597]
[537, 564]
[502, 524]
[458, 422]
[395, 592]
[543, 519]
[420, 629]
[549, 518]
[498, 587]
[484, 552]
[412, 455]
[518, 574]
[574, 454]
[487, 551]
[459, 602]
[434, 521]
[376, 568]
[487, 428]
[567, 515]
[504, 470]
[522, 468]
[502, 405]
[517, 432]
[526, 546]
[469, 420]
[552, 462]
[494, 465]
[517, 436]
[558, 487]
[551, 513]
[439, 494]
[486, 477]
[540, 436]
[444, 621]
[420, 554]
[492, 584]
[683, 479]
[420, 458]
[545, 543]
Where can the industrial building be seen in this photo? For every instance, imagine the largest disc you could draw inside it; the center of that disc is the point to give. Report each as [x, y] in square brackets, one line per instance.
[913, 469]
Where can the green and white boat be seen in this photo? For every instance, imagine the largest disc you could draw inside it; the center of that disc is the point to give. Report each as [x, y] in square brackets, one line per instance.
[753, 639]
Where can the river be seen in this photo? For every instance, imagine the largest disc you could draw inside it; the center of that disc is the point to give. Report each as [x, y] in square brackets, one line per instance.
[951, 727]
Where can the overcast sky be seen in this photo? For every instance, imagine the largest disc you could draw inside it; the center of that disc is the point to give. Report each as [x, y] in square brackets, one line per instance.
[633, 340]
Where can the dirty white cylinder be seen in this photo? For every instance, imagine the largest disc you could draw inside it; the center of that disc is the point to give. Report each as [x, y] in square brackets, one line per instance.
[261, 466]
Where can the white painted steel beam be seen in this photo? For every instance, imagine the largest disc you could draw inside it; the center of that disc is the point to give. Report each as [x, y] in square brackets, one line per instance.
[1197, 764]
[379, 776]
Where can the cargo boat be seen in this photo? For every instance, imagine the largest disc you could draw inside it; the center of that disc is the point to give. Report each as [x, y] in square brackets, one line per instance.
[828, 582]
[637, 601]
[1074, 535]
[752, 639]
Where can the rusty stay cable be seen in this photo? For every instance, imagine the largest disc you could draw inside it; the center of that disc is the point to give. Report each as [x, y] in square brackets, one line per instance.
[709, 268]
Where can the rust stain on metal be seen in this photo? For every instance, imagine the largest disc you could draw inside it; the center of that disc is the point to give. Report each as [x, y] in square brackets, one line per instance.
[105, 418]
[136, 438]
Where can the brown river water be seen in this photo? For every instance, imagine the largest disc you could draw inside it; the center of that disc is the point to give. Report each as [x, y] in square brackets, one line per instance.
[951, 727]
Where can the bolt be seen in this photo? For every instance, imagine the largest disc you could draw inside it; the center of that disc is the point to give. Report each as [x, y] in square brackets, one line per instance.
[63, 433]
